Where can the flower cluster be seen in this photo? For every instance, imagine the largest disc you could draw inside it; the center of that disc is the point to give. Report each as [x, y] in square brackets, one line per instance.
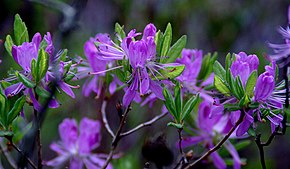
[209, 104]
[77, 144]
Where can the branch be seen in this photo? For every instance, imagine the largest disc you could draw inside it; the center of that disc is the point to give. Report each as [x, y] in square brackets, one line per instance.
[105, 121]
[117, 137]
[21, 153]
[216, 147]
[145, 124]
[7, 155]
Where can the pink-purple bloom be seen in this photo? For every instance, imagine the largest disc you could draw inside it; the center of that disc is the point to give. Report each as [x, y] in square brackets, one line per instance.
[23, 56]
[192, 59]
[76, 145]
[142, 56]
[244, 65]
[93, 67]
[282, 50]
[208, 129]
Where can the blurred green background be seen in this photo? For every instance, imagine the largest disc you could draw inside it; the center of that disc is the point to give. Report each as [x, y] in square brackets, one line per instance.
[211, 25]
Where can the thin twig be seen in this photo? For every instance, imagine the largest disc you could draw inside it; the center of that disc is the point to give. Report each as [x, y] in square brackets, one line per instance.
[261, 150]
[22, 154]
[105, 121]
[117, 137]
[216, 147]
[7, 155]
[38, 137]
[140, 126]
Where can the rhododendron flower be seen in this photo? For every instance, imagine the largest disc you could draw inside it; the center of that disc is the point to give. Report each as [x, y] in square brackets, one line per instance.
[210, 128]
[282, 50]
[244, 65]
[23, 56]
[269, 99]
[192, 59]
[94, 67]
[142, 58]
[76, 145]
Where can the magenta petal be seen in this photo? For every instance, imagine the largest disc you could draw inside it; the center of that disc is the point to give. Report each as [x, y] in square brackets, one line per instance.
[128, 97]
[15, 54]
[156, 89]
[36, 104]
[14, 89]
[53, 104]
[145, 82]
[66, 88]
[112, 87]
[218, 161]
[100, 162]
[243, 127]
[57, 148]
[36, 40]
[232, 150]
[90, 86]
[189, 141]
[68, 131]
[89, 135]
[76, 163]
[58, 161]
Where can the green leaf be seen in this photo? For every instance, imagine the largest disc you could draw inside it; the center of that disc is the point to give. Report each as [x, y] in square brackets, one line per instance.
[166, 41]
[228, 61]
[169, 103]
[14, 112]
[63, 55]
[5, 84]
[244, 101]
[121, 75]
[42, 64]
[120, 30]
[239, 87]
[179, 126]
[219, 70]
[206, 67]
[221, 86]
[20, 31]
[27, 82]
[232, 107]
[158, 42]
[3, 102]
[6, 133]
[231, 83]
[176, 49]
[178, 98]
[254, 105]
[8, 44]
[251, 82]
[189, 105]
[242, 144]
[42, 92]
[170, 72]
[34, 69]
[252, 132]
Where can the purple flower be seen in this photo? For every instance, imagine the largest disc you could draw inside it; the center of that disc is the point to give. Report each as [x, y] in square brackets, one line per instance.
[76, 145]
[244, 65]
[282, 50]
[208, 128]
[141, 55]
[23, 56]
[192, 59]
[94, 67]
[269, 98]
